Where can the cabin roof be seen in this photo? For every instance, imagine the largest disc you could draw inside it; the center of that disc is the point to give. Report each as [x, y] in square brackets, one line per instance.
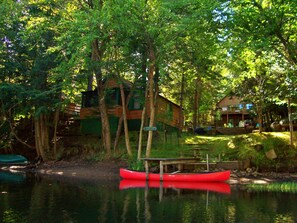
[229, 100]
[112, 82]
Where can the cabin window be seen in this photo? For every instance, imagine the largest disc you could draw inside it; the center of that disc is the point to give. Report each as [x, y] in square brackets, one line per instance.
[249, 106]
[112, 97]
[89, 99]
[135, 103]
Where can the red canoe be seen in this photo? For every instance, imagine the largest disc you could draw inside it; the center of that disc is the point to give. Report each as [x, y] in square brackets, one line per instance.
[219, 187]
[184, 177]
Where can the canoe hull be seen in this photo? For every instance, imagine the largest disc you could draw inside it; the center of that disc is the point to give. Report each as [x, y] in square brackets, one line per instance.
[185, 177]
[9, 159]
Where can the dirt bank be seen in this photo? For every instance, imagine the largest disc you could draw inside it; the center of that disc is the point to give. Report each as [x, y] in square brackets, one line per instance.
[81, 171]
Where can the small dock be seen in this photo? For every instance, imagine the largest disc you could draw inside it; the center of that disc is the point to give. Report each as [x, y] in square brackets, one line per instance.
[163, 163]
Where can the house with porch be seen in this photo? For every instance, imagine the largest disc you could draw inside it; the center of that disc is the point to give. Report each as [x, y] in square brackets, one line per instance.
[234, 112]
[168, 115]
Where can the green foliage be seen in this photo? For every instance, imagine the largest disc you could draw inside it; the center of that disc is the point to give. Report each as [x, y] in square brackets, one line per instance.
[12, 216]
[274, 143]
[250, 46]
[261, 37]
[136, 165]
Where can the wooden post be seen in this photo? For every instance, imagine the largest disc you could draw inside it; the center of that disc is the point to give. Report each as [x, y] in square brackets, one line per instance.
[207, 163]
[146, 169]
[161, 191]
[161, 170]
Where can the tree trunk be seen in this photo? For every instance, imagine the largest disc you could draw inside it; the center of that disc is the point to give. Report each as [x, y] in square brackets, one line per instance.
[260, 114]
[41, 136]
[151, 73]
[141, 132]
[127, 140]
[96, 58]
[118, 134]
[180, 114]
[56, 120]
[290, 122]
[143, 120]
[144, 110]
[104, 119]
[196, 103]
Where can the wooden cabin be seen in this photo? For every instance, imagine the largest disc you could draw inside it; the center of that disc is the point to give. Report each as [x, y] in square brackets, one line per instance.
[233, 111]
[167, 112]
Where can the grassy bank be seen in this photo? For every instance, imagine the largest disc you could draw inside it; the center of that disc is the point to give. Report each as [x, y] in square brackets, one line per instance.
[265, 151]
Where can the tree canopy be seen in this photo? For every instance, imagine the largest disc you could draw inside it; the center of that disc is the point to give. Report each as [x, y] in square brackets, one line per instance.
[193, 52]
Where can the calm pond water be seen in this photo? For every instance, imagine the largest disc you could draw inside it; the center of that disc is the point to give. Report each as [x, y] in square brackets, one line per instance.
[24, 199]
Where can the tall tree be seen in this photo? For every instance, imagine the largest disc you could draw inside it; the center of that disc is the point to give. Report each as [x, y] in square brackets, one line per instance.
[195, 52]
[33, 28]
[85, 35]
[39, 37]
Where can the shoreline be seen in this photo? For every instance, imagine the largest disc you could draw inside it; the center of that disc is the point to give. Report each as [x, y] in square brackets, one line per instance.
[109, 171]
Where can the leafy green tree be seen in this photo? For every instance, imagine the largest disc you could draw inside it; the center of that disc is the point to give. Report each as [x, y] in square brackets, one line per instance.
[267, 26]
[195, 54]
[13, 64]
[26, 82]
[255, 80]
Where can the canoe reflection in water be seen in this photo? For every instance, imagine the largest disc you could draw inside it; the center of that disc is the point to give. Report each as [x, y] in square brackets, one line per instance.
[8, 177]
[219, 187]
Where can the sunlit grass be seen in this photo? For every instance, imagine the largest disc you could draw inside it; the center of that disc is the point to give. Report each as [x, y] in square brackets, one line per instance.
[205, 139]
[253, 147]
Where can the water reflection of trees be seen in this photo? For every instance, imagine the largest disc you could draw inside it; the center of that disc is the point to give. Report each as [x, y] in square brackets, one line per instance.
[48, 201]
[198, 206]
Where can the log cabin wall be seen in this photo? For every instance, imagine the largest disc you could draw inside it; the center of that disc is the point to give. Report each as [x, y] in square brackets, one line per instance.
[167, 112]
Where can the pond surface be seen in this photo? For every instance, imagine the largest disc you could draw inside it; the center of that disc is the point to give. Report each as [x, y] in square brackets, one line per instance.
[24, 199]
